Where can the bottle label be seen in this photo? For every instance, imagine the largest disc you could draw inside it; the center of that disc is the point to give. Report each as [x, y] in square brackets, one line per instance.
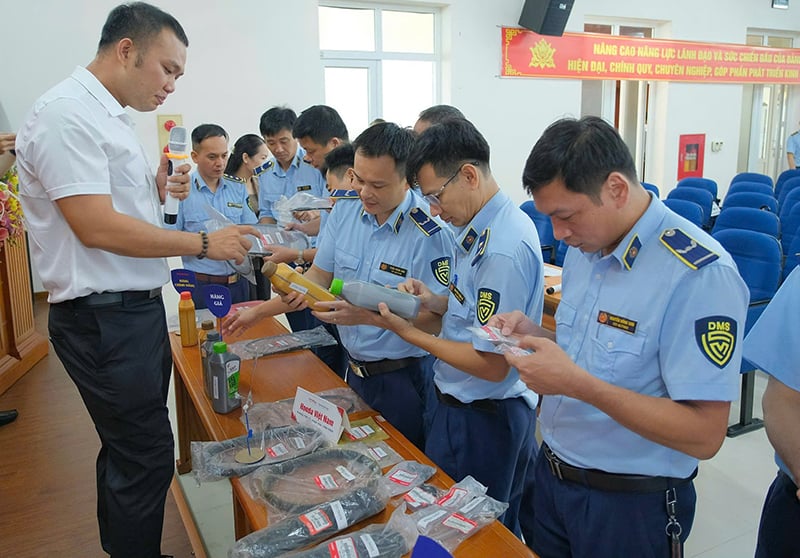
[299, 288]
[232, 373]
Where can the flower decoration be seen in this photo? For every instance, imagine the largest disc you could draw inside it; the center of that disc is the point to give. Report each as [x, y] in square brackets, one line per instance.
[10, 208]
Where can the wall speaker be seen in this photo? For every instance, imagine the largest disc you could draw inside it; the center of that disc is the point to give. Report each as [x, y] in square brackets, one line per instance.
[546, 17]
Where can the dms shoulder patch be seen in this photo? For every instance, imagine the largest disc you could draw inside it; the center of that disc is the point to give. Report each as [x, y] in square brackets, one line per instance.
[488, 303]
[716, 338]
[687, 249]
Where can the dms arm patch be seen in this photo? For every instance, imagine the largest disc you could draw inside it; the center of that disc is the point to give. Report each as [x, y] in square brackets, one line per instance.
[716, 338]
[441, 270]
[487, 305]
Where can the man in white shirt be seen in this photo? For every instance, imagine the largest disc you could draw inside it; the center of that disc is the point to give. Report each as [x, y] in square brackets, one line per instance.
[93, 213]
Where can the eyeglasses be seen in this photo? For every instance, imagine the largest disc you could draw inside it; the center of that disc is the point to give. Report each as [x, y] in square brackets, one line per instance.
[433, 199]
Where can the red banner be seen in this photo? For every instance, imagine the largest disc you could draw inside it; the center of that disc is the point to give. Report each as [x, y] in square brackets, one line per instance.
[592, 56]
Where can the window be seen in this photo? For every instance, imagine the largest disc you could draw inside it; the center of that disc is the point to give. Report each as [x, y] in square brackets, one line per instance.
[379, 62]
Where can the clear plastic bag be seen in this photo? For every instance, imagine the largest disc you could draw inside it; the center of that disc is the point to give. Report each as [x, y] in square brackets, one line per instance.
[298, 485]
[406, 475]
[285, 342]
[379, 540]
[279, 413]
[465, 490]
[315, 524]
[502, 344]
[285, 208]
[450, 527]
[213, 461]
[423, 496]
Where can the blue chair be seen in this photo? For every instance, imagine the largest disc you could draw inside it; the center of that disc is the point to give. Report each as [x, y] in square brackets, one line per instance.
[787, 187]
[790, 227]
[758, 258]
[748, 218]
[702, 183]
[701, 197]
[792, 258]
[561, 253]
[751, 199]
[753, 177]
[745, 186]
[783, 177]
[652, 187]
[686, 209]
[544, 228]
[791, 199]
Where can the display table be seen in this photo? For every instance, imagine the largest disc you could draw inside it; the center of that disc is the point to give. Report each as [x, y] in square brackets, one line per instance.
[277, 377]
[551, 300]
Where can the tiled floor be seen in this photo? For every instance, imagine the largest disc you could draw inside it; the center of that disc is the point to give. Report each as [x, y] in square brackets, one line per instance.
[730, 490]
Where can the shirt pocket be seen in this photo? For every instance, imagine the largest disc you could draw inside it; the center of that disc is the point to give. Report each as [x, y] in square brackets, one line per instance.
[346, 265]
[194, 220]
[617, 355]
[565, 321]
[233, 213]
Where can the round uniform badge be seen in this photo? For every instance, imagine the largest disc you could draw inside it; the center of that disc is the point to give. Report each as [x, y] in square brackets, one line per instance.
[602, 317]
[669, 232]
[633, 251]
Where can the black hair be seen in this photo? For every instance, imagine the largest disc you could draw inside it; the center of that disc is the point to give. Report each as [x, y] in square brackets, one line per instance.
[386, 138]
[340, 159]
[139, 22]
[581, 153]
[248, 143]
[277, 119]
[440, 113]
[321, 123]
[446, 146]
[205, 131]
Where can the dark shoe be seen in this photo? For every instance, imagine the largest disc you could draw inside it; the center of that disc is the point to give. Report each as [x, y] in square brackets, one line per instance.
[8, 416]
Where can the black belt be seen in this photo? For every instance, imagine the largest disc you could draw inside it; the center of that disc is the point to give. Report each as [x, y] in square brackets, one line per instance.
[487, 405]
[378, 367]
[120, 298]
[610, 482]
[218, 279]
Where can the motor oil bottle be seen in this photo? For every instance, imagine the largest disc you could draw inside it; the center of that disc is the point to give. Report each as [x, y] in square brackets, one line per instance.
[368, 295]
[284, 280]
[224, 371]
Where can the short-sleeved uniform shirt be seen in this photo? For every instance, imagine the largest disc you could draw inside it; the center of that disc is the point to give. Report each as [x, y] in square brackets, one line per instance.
[78, 140]
[793, 146]
[230, 199]
[409, 244]
[772, 342]
[275, 182]
[662, 315]
[498, 269]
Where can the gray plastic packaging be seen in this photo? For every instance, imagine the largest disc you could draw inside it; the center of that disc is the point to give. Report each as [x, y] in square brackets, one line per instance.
[368, 295]
[224, 370]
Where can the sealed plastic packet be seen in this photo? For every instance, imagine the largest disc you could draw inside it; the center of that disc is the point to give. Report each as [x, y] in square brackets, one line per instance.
[406, 475]
[450, 527]
[502, 343]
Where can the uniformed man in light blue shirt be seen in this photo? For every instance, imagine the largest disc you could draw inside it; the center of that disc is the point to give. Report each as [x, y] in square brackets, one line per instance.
[638, 383]
[484, 422]
[793, 149]
[772, 347]
[226, 194]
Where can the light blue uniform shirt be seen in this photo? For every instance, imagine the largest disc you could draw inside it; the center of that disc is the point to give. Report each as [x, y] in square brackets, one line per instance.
[230, 199]
[793, 146]
[409, 244]
[662, 315]
[274, 182]
[498, 269]
[772, 343]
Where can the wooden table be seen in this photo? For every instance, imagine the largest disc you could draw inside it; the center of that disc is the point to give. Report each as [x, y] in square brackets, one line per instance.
[276, 378]
[551, 300]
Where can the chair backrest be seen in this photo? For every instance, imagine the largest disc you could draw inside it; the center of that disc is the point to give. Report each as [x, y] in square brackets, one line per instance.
[783, 177]
[792, 257]
[748, 218]
[790, 227]
[652, 187]
[751, 199]
[753, 177]
[788, 186]
[791, 199]
[702, 183]
[758, 257]
[544, 228]
[745, 186]
[701, 197]
[687, 209]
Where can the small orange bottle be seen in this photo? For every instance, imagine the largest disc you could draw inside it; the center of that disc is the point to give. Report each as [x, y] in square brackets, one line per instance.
[284, 280]
[187, 319]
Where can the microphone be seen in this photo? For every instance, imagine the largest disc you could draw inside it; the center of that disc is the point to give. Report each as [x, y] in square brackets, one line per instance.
[178, 144]
[554, 289]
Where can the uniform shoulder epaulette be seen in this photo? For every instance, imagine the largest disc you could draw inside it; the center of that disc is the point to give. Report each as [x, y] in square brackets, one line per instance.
[263, 168]
[687, 249]
[795, 133]
[424, 222]
[342, 194]
[233, 178]
[480, 249]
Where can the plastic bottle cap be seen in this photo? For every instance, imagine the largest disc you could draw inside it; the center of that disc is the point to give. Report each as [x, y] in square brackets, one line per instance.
[213, 336]
[186, 295]
[269, 268]
[336, 286]
[207, 325]
[220, 347]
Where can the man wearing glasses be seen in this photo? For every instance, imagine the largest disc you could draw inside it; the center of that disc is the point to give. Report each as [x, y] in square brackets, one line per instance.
[484, 422]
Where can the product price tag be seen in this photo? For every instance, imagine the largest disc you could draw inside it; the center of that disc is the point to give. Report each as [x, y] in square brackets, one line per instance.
[277, 450]
[326, 482]
[401, 477]
[342, 548]
[316, 521]
[459, 523]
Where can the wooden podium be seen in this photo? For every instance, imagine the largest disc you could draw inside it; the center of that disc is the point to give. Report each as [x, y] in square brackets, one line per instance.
[21, 346]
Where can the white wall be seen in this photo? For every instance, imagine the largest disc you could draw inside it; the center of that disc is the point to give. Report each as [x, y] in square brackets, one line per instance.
[248, 55]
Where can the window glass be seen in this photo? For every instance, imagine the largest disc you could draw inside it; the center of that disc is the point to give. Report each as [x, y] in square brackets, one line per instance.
[346, 29]
[347, 90]
[408, 87]
[407, 32]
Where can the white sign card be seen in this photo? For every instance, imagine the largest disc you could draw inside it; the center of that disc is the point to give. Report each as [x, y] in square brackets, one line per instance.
[312, 410]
